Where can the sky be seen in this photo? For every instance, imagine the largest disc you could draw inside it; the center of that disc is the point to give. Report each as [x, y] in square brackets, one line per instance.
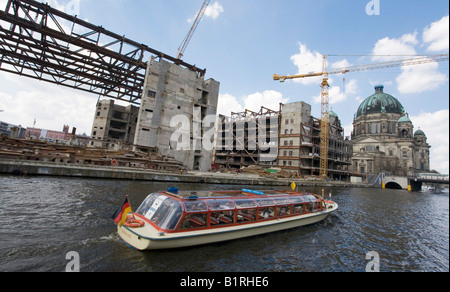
[242, 43]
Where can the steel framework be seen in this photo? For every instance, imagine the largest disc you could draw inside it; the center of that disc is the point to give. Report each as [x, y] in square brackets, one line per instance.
[43, 43]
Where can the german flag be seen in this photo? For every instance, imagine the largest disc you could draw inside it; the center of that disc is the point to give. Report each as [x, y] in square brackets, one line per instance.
[120, 216]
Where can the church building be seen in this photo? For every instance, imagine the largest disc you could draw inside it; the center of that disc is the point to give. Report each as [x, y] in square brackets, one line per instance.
[384, 139]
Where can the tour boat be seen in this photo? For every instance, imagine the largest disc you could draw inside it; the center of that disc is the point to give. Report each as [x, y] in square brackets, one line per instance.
[167, 220]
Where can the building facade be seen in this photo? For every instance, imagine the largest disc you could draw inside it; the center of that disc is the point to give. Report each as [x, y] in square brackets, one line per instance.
[299, 148]
[175, 114]
[114, 125]
[384, 139]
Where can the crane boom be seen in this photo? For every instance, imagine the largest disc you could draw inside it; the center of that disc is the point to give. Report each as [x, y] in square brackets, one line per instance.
[325, 91]
[360, 68]
[188, 37]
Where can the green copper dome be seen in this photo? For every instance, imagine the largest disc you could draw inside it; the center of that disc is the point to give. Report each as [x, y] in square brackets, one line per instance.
[380, 102]
[404, 119]
[419, 132]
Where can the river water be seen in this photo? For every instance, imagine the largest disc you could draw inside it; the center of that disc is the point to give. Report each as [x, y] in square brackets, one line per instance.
[42, 219]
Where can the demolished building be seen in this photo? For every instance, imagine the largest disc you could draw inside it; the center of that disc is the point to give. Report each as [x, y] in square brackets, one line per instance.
[287, 140]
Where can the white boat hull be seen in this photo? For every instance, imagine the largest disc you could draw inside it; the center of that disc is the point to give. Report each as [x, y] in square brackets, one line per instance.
[148, 238]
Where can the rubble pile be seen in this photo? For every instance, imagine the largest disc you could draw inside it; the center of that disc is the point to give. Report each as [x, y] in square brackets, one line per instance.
[34, 150]
[269, 172]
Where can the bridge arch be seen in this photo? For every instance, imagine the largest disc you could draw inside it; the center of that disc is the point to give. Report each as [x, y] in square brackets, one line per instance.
[395, 182]
[393, 185]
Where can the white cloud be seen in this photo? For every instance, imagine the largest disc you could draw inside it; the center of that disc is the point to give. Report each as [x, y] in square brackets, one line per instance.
[436, 35]
[337, 95]
[52, 106]
[387, 49]
[438, 137]
[307, 62]
[214, 11]
[420, 78]
[341, 64]
[227, 104]
[269, 98]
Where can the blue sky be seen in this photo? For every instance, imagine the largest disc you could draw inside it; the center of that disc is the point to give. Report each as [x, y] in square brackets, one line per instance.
[242, 43]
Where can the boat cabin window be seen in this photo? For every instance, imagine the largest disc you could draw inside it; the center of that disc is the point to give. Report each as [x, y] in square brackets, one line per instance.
[311, 203]
[194, 221]
[282, 201]
[265, 202]
[164, 211]
[221, 218]
[245, 203]
[215, 205]
[298, 206]
[195, 206]
[247, 215]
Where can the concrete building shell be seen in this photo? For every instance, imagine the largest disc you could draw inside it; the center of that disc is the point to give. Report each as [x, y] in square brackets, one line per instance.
[174, 95]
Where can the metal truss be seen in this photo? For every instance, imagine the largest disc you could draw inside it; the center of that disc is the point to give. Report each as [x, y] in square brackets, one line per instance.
[43, 43]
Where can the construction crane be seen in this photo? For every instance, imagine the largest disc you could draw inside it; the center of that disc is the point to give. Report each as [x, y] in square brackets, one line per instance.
[325, 91]
[188, 37]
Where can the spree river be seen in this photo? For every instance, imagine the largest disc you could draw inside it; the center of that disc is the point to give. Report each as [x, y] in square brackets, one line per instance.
[43, 219]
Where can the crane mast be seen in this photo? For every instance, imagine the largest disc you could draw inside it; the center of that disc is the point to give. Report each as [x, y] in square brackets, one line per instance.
[188, 37]
[324, 124]
[325, 91]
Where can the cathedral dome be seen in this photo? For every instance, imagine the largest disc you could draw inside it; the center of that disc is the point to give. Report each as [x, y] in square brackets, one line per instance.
[380, 102]
[419, 133]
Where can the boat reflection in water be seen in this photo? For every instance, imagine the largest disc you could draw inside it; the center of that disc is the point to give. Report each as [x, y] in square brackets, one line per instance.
[167, 220]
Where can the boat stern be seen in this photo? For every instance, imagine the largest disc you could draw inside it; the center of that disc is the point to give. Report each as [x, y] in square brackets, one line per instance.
[133, 238]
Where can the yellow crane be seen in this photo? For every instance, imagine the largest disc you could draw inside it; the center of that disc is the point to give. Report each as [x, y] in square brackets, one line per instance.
[325, 91]
[188, 37]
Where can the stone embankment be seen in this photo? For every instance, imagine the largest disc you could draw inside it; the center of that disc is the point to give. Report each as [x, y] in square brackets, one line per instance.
[32, 168]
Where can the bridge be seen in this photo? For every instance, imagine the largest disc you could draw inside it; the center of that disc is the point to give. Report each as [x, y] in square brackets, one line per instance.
[413, 183]
[40, 42]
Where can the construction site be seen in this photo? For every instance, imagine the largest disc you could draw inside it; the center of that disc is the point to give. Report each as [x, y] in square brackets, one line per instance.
[278, 143]
[283, 143]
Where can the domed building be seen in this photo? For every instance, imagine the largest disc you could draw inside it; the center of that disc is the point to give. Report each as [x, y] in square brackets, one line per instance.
[384, 140]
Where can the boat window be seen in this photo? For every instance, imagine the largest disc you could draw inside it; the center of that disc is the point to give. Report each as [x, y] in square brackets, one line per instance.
[282, 201]
[194, 221]
[309, 198]
[297, 200]
[265, 202]
[298, 208]
[221, 218]
[283, 211]
[147, 203]
[245, 203]
[248, 215]
[195, 206]
[215, 205]
[164, 211]
[266, 213]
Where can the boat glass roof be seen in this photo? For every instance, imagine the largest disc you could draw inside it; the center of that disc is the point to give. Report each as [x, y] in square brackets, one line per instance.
[225, 204]
[195, 206]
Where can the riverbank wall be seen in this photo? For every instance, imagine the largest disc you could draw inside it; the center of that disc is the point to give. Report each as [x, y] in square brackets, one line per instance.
[32, 168]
